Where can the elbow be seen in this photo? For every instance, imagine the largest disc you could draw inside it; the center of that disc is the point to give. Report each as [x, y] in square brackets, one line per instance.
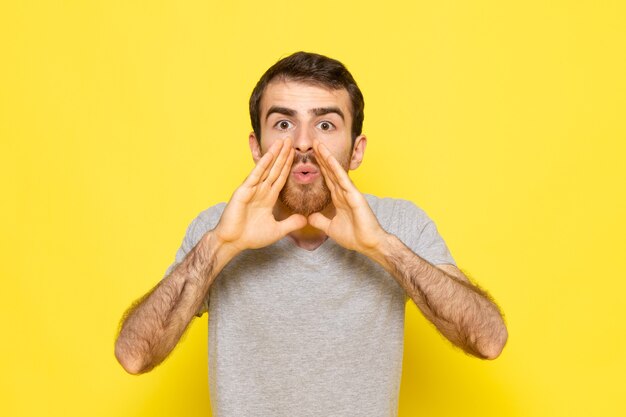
[133, 367]
[494, 348]
[131, 363]
[491, 354]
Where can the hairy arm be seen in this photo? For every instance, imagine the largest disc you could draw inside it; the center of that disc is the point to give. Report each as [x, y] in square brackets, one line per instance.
[461, 311]
[153, 325]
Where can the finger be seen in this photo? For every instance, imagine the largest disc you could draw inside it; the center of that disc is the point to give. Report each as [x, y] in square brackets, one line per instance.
[331, 181]
[261, 167]
[350, 194]
[319, 221]
[335, 190]
[322, 162]
[338, 194]
[341, 176]
[292, 223]
[350, 197]
[244, 194]
[322, 159]
[276, 148]
[279, 163]
[284, 174]
[324, 168]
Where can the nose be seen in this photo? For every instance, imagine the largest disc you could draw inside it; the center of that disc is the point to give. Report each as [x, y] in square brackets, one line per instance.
[303, 141]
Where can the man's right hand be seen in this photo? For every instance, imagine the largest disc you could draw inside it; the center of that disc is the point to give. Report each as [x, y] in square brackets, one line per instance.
[248, 221]
[153, 325]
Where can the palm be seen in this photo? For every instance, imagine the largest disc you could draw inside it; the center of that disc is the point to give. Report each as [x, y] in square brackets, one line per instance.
[354, 225]
[251, 223]
[247, 221]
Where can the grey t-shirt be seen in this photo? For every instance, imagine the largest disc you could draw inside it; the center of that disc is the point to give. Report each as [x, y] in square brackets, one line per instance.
[308, 333]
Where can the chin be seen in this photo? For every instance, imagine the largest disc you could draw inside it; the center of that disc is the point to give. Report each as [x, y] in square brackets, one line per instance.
[305, 199]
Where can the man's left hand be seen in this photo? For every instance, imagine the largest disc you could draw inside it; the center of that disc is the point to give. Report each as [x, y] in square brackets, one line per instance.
[354, 225]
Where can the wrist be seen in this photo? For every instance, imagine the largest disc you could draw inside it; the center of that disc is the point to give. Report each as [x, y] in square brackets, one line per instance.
[391, 253]
[383, 247]
[223, 252]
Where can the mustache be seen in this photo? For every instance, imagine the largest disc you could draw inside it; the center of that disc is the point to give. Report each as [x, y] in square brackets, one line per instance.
[305, 158]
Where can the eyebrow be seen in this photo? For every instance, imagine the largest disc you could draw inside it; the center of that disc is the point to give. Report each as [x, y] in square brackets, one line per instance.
[318, 111]
[280, 110]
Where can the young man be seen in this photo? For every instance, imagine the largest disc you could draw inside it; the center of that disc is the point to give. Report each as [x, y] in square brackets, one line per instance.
[305, 279]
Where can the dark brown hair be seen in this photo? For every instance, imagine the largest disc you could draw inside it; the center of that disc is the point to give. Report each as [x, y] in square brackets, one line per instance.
[313, 69]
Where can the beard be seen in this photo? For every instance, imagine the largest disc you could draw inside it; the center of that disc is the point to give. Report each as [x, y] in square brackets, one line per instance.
[306, 199]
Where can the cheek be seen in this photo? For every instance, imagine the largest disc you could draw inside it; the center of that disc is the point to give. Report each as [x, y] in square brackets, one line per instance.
[266, 143]
[269, 137]
[342, 156]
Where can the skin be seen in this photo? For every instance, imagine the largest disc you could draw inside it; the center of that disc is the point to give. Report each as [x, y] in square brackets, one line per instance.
[256, 217]
[461, 311]
[303, 128]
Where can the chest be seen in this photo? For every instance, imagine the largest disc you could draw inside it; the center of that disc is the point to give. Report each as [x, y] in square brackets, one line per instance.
[277, 290]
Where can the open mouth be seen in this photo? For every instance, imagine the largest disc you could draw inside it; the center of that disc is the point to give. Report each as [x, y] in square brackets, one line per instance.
[305, 174]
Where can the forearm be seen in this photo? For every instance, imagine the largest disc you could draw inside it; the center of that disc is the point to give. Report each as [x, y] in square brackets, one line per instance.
[461, 311]
[153, 326]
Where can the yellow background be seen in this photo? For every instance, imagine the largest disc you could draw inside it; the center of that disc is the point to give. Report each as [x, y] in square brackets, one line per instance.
[120, 121]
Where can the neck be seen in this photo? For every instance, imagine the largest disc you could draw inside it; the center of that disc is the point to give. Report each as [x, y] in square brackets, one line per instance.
[308, 237]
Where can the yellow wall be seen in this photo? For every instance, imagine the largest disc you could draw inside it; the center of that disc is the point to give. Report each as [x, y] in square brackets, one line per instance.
[120, 121]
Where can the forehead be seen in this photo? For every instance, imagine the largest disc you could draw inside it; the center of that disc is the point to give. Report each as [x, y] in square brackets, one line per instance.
[303, 97]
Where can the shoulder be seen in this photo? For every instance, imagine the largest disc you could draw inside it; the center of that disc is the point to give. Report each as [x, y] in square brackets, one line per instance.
[412, 226]
[211, 214]
[396, 211]
[206, 220]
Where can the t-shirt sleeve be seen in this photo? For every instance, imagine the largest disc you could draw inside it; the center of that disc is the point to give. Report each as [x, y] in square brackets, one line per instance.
[432, 247]
[417, 231]
[204, 222]
[188, 243]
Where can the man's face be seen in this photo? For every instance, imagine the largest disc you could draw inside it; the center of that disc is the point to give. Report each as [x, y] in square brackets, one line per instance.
[306, 112]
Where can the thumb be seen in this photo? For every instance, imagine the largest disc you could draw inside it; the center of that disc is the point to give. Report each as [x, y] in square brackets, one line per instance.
[291, 223]
[319, 221]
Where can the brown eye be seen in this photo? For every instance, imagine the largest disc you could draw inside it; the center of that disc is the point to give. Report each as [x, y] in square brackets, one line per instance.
[325, 126]
[283, 125]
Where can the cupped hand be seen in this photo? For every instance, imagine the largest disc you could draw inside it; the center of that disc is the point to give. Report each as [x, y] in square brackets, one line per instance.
[248, 221]
[354, 225]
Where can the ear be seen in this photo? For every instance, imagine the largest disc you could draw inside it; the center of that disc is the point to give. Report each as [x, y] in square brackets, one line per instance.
[255, 148]
[357, 151]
